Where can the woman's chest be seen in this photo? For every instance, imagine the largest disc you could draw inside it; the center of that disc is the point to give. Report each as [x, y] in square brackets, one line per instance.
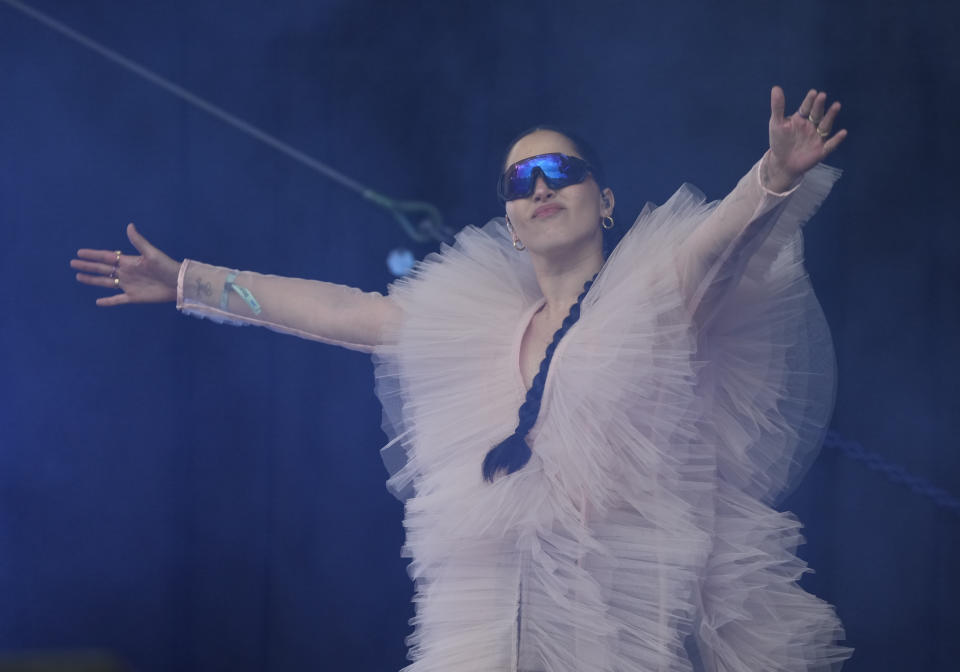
[538, 334]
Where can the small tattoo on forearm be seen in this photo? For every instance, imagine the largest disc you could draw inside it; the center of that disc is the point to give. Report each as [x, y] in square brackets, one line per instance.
[204, 288]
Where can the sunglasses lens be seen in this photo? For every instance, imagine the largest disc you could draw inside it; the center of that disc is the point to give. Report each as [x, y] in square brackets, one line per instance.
[518, 181]
[559, 170]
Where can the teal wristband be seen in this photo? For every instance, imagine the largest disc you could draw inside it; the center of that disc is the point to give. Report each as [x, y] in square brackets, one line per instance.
[242, 292]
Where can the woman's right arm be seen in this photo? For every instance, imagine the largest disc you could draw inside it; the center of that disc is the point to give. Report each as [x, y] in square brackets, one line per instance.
[311, 309]
[320, 311]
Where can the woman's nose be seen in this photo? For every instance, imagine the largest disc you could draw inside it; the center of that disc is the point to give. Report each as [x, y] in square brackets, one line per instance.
[541, 190]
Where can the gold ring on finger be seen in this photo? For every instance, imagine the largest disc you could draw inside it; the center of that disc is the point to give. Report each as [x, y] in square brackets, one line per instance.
[813, 121]
[117, 252]
[116, 282]
[822, 133]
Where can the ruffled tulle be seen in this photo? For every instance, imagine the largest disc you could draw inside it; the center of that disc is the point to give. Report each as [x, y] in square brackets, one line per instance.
[639, 536]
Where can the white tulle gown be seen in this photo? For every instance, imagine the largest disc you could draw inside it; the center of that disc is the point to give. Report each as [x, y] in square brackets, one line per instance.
[688, 398]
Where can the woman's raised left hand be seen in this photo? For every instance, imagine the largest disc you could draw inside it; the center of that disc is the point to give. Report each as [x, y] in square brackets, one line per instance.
[802, 140]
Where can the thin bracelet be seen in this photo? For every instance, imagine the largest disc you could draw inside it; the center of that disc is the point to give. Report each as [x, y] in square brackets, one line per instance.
[770, 191]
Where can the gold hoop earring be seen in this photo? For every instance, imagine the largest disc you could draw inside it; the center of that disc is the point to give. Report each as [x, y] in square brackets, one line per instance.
[517, 245]
[604, 223]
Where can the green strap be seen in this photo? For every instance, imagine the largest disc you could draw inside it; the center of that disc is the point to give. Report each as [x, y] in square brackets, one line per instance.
[242, 292]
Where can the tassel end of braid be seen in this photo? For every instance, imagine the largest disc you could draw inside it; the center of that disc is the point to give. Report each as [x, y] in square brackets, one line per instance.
[508, 456]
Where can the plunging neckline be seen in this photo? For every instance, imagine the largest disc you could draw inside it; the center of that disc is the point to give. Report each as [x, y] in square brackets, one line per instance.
[526, 322]
[526, 319]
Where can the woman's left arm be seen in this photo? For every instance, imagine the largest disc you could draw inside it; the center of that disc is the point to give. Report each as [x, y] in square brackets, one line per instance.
[740, 222]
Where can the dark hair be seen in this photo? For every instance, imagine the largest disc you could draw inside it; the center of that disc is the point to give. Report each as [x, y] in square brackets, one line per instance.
[513, 453]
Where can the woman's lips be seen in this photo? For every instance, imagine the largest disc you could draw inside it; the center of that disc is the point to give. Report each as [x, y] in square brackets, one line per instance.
[546, 210]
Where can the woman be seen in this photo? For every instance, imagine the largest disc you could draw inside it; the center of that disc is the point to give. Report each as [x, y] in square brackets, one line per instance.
[667, 396]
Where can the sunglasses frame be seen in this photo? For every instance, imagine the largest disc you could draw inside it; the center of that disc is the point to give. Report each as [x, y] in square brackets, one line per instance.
[553, 183]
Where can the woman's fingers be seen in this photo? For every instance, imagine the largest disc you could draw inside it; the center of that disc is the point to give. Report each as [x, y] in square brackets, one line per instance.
[826, 124]
[777, 104]
[800, 141]
[138, 241]
[103, 256]
[826, 127]
[832, 143]
[101, 268]
[97, 280]
[807, 105]
[92, 267]
[816, 112]
[112, 257]
[115, 300]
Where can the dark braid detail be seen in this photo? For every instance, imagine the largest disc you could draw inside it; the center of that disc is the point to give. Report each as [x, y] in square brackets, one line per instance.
[513, 453]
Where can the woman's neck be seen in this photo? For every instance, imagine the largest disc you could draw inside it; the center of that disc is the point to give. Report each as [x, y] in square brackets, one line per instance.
[562, 281]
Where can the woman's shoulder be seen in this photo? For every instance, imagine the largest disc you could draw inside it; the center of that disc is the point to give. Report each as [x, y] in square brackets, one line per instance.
[480, 270]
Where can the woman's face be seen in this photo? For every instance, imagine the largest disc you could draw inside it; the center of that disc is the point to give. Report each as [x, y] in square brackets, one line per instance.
[562, 222]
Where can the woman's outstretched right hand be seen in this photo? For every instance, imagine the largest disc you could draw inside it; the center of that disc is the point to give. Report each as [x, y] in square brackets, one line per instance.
[150, 277]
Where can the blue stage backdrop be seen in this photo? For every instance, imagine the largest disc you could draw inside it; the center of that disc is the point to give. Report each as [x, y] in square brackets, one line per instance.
[197, 497]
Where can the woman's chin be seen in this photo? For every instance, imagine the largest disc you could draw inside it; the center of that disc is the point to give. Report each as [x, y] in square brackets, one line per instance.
[558, 248]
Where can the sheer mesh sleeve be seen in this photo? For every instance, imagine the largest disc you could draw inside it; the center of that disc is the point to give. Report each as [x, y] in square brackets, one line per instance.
[319, 311]
[712, 258]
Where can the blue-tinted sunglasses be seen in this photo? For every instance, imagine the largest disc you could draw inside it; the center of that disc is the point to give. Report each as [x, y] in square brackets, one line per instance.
[558, 171]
